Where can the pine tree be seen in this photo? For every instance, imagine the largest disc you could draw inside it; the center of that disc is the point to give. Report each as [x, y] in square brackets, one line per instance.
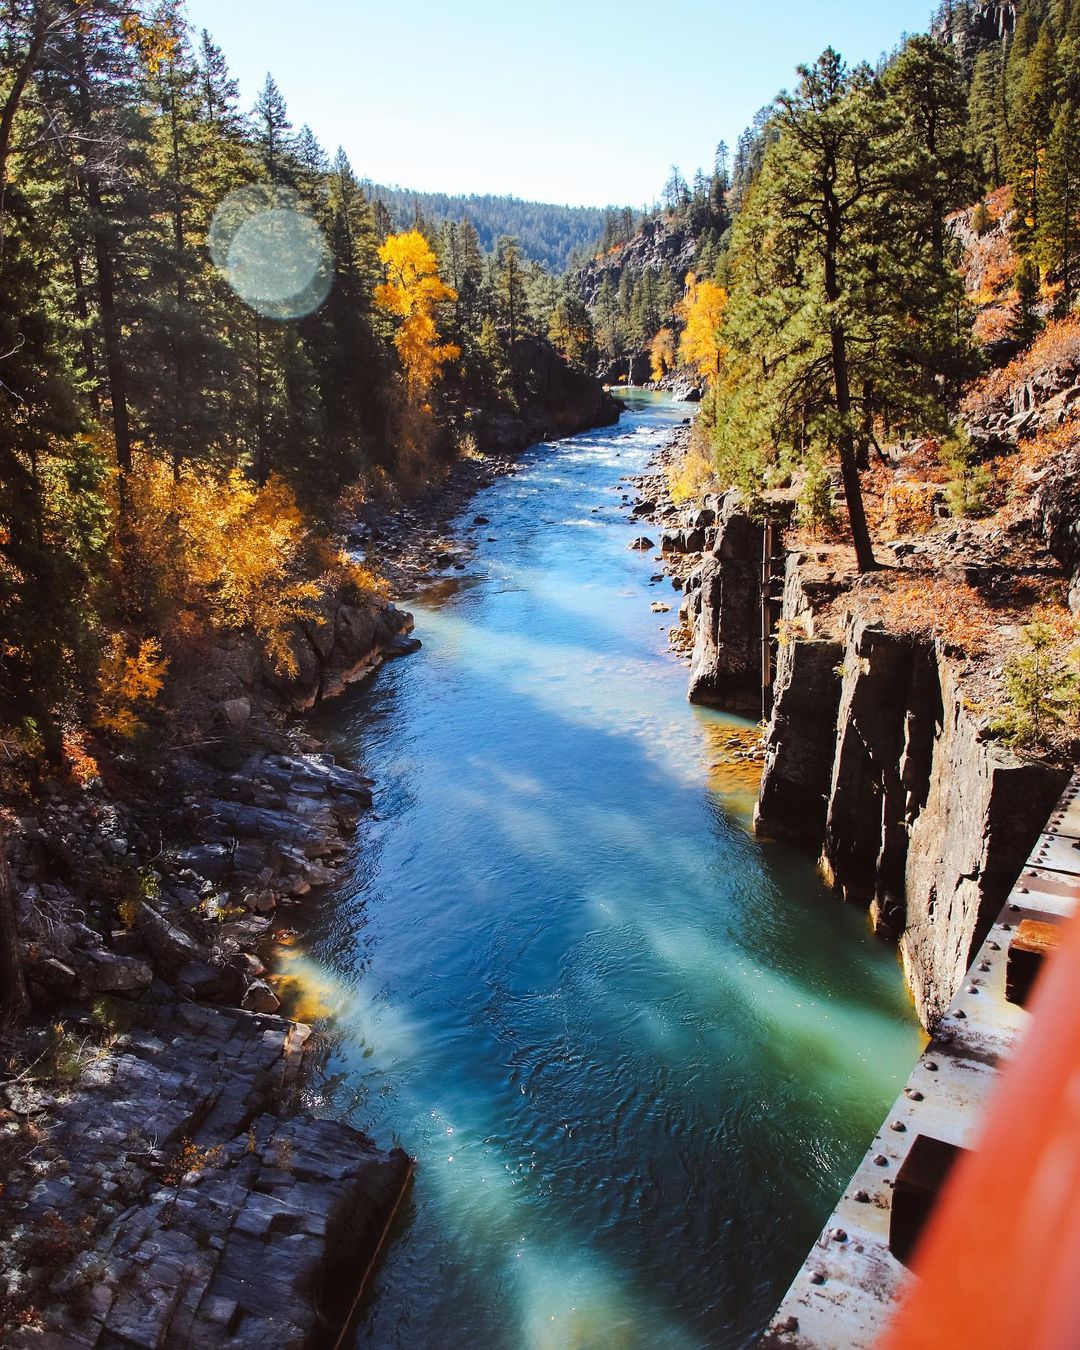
[1059, 219]
[1035, 85]
[274, 141]
[986, 130]
[843, 314]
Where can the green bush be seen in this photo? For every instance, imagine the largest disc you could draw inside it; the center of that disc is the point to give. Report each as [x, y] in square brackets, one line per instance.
[969, 482]
[1041, 689]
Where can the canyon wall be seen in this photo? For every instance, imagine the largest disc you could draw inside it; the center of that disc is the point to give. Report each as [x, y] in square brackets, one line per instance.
[875, 759]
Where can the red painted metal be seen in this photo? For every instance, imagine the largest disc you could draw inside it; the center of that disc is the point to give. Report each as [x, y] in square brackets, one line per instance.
[999, 1265]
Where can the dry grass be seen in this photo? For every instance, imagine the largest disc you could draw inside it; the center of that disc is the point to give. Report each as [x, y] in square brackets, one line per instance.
[1056, 347]
[926, 605]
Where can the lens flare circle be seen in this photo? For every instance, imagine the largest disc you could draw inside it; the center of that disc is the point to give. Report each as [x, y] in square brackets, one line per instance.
[272, 253]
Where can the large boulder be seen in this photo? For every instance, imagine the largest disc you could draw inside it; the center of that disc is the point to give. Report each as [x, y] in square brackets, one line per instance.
[103, 972]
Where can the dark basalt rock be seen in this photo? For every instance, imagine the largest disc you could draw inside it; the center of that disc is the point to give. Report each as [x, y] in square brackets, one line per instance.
[1056, 514]
[723, 603]
[802, 742]
[260, 1241]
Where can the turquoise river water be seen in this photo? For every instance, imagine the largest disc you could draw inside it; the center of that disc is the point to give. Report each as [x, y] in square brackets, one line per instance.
[636, 1052]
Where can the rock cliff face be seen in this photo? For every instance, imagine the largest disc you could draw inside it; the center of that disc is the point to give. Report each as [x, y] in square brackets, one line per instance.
[722, 603]
[874, 758]
[1056, 511]
[658, 245]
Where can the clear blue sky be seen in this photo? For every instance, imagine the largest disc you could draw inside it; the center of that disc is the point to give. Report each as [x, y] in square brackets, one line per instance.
[583, 101]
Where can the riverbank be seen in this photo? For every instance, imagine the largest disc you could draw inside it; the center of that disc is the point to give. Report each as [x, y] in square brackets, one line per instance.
[158, 1165]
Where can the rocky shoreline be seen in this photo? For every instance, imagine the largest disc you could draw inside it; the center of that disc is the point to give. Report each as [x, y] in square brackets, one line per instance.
[162, 1183]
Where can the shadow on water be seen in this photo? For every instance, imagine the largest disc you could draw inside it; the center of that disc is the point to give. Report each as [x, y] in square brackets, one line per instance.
[636, 1053]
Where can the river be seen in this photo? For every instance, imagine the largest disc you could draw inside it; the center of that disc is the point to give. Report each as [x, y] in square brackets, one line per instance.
[636, 1052]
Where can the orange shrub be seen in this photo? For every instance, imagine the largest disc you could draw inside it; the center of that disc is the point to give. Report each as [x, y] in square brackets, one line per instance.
[927, 605]
[908, 508]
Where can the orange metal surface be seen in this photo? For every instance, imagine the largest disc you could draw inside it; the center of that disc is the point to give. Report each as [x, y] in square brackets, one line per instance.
[999, 1266]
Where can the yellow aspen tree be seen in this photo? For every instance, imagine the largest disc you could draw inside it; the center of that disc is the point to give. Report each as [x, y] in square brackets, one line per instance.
[702, 311]
[662, 353]
[412, 290]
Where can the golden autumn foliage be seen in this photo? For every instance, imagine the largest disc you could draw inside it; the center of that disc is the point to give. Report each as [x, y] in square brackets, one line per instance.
[412, 291]
[156, 43]
[927, 605]
[690, 476]
[662, 353]
[702, 311]
[224, 551]
[128, 680]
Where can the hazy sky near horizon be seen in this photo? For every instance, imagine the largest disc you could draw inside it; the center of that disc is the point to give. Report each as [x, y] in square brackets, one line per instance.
[581, 101]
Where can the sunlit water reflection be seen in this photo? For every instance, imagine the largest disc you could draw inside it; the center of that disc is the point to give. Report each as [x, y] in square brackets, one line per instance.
[636, 1053]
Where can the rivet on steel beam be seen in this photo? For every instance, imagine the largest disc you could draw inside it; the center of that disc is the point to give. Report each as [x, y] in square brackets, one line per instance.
[973, 989]
[931, 1065]
[899, 1127]
[838, 1234]
[881, 1160]
[789, 1324]
[913, 1094]
[961, 1014]
[994, 946]
[817, 1277]
[863, 1197]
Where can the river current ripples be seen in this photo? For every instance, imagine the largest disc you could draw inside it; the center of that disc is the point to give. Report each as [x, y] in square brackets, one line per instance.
[636, 1053]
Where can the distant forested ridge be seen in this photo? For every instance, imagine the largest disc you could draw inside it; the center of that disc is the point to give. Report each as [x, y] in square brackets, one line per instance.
[548, 234]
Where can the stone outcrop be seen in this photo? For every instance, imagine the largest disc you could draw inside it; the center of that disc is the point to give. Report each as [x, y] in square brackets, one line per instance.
[188, 1207]
[558, 401]
[338, 646]
[919, 817]
[657, 245]
[979, 810]
[802, 742]
[1056, 513]
[722, 603]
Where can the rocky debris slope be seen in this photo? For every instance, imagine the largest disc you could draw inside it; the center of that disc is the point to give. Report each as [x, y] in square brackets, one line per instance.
[230, 851]
[179, 1200]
